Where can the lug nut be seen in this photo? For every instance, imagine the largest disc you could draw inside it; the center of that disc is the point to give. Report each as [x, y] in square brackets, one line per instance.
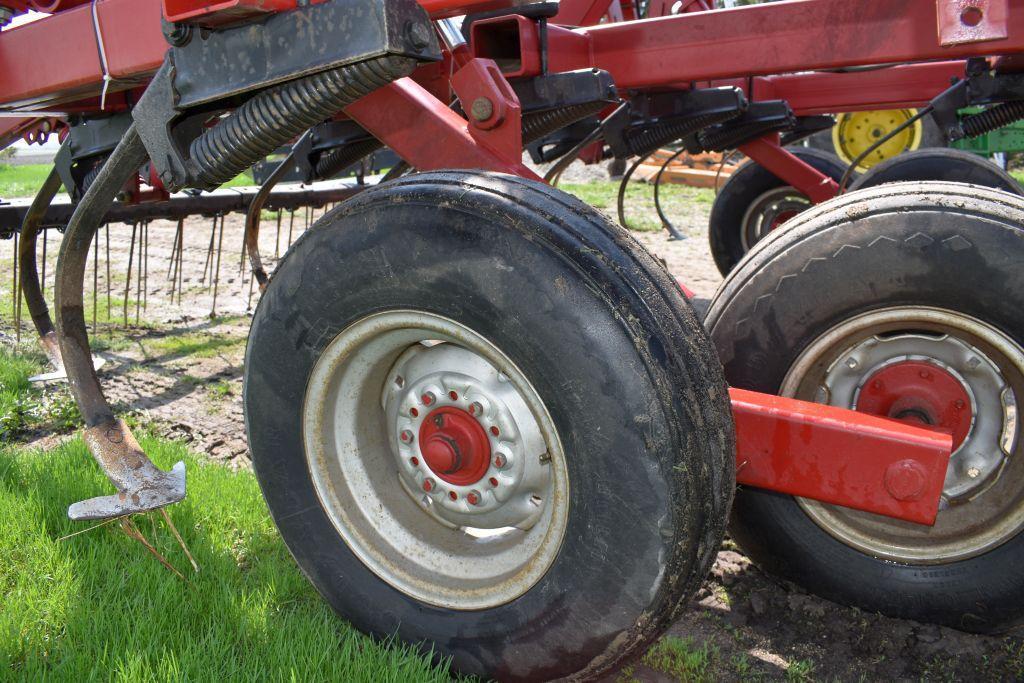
[428, 484]
[406, 436]
[428, 398]
[473, 497]
[453, 495]
[493, 481]
[476, 409]
[415, 462]
[973, 472]
[494, 430]
[414, 412]
[453, 395]
[500, 461]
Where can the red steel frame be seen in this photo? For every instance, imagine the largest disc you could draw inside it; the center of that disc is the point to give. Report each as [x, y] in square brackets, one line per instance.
[783, 444]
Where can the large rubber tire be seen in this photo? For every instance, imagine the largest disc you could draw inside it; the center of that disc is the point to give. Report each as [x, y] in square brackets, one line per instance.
[741, 191]
[948, 246]
[615, 352]
[950, 165]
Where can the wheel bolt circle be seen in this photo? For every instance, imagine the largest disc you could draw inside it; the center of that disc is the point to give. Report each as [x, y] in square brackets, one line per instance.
[428, 398]
[473, 497]
[406, 436]
[476, 409]
[500, 461]
[428, 484]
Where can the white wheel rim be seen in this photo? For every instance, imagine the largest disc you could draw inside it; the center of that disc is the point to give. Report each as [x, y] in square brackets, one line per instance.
[977, 513]
[440, 551]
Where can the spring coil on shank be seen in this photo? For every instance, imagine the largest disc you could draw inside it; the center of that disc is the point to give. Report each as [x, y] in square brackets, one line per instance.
[539, 124]
[993, 119]
[341, 158]
[273, 117]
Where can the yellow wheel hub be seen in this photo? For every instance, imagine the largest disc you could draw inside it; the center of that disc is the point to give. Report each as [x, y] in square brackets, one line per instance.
[855, 132]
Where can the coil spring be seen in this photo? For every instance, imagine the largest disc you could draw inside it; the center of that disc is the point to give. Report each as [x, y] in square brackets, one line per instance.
[730, 137]
[341, 158]
[540, 124]
[275, 116]
[993, 119]
[644, 142]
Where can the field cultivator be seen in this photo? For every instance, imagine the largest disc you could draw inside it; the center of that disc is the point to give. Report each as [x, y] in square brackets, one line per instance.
[483, 417]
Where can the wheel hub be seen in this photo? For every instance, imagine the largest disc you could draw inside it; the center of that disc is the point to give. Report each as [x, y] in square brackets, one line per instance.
[468, 448]
[454, 446]
[914, 377]
[921, 392]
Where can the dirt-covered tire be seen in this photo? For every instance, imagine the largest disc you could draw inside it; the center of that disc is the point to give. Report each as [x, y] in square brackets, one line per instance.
[754, 201]
[950, 165]
[918, 277]
[534, 293]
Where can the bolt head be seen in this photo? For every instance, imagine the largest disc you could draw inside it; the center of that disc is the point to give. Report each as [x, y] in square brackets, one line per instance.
[418, 34]
[473, 497]
[500, 461]
[973, 472]
[428, 398]
[429, 484]
[905, 480]
[851, 363]
[406, 436]
[482, 109]
[476, 409]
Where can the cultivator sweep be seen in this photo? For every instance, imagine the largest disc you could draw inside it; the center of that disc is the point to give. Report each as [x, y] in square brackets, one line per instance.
[477, 408]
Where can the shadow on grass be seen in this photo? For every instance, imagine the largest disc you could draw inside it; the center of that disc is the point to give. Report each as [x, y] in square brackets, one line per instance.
[99, 606]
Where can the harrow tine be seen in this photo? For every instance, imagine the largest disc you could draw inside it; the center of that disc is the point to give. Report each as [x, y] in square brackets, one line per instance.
[138, 273]
[128, 283]
[16, 288]
[95, 276]
[145, 269]
[277, 240]
[174, 250]
[209, 252]
[181, 263]
[216, 273]
[42, 279]
[291, 224]
[110, 324]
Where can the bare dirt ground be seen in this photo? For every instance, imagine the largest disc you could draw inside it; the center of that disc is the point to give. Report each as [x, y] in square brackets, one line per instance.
[182, 372]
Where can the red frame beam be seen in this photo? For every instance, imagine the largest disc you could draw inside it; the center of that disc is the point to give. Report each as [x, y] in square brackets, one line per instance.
[839, 456]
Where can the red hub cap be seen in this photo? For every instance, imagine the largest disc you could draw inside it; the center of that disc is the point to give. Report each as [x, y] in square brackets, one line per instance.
[919, 392]
[455, 446]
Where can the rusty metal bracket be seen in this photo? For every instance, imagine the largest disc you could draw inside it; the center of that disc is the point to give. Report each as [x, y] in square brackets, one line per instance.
[971, 21]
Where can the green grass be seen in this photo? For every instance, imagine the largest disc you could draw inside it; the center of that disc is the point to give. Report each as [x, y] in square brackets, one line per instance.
[682, 658]
[25, 181]
[676, 200]
[26, 408]
[193, 344]
[22, 181]
[98, 606]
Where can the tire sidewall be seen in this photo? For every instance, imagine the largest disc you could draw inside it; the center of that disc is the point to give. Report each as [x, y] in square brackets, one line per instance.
[750, 181]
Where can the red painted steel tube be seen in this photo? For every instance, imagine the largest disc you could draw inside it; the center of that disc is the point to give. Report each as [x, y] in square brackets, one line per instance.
[425, 132]
[56, 59]
[783, 164]
[774, 38]
[839, 456]
[897, 87]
